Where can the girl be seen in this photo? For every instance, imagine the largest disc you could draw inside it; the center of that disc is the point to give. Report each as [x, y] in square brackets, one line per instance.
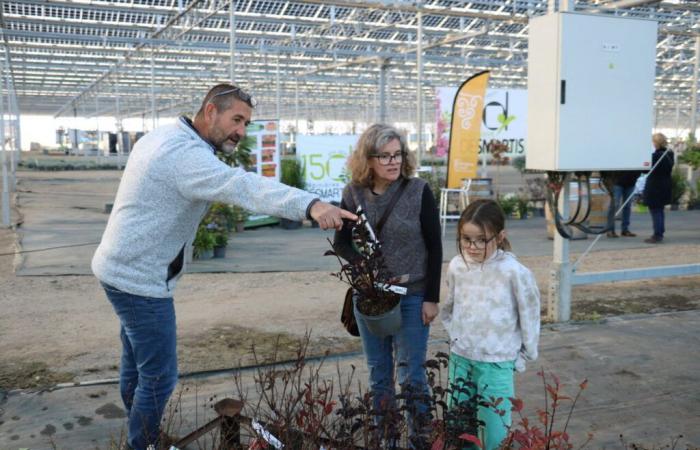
[492, 315]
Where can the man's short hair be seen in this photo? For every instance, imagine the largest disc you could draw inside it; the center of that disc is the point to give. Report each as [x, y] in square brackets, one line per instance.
[222, 97]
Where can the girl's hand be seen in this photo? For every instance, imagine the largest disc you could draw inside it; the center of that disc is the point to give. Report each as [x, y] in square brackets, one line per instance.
[430, 311]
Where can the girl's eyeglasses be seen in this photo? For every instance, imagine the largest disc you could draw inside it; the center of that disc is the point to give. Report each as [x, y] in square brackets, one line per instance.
[478, 244]
[385, 158]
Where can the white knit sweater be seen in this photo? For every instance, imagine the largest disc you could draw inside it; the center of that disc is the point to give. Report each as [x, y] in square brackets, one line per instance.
[492, 311]
[170, 178]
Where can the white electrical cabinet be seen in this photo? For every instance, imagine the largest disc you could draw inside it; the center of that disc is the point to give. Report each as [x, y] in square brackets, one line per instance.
[590, 92]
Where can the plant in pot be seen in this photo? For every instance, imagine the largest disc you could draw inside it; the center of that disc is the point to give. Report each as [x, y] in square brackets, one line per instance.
[508, 203]
[203, 244]
[292, 174]
[678, 188]
[368, 275]
[220, 243]
[239, 216]
[522, 202]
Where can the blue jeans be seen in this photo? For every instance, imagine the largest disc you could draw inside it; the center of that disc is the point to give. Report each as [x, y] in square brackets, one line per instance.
[410, 345]
[148, 372]
[657, 218]
[621, 194]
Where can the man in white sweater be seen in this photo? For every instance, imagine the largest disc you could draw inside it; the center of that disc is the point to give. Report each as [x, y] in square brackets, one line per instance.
[169, 181]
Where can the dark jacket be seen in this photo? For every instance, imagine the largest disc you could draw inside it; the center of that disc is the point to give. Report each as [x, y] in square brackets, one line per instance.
[657, 188]
[626, 178]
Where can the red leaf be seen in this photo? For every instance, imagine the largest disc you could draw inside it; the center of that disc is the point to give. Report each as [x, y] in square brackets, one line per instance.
[438, 444]
[328, 408]
[517, 404]
[471, 438]
[584, 384]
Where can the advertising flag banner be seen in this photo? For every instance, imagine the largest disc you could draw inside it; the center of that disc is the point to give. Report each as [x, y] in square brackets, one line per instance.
[465, 130]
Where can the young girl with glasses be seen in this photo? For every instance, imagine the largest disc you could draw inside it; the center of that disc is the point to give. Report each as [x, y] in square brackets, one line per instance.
[492, 316]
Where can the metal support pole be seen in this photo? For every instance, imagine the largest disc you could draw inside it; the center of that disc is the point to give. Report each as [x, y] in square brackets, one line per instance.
[153, 91]
[296, 110]
[694, 90]
[232, 40]
[11, 138]
[278, 106]
[383, 66]
[694, 100]
[419, 88]
[559, 295]
[5, 181]
[97, 123]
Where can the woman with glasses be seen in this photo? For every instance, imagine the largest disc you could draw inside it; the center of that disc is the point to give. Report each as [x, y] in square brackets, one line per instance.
[412, 247]
[492, 315]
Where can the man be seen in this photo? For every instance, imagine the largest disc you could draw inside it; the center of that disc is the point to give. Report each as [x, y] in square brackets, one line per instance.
[171, 177]
[623, 188]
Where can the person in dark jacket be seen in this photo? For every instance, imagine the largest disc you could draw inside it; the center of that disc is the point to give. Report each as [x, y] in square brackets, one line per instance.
[657, 189]
[623, 189]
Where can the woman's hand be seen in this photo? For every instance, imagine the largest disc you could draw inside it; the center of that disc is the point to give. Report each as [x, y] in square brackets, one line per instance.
[430, 311]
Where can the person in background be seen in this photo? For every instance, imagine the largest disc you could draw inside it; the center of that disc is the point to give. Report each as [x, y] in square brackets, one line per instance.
[171, 177]
[623, 189]
[657, 189]
[492, 317]
[412, 246]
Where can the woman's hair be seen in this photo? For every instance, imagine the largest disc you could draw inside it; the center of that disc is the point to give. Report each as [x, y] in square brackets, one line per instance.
[659, 140]
[487, 215]
[371, 141]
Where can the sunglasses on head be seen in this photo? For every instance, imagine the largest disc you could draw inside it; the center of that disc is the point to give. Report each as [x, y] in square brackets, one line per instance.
[239, 93]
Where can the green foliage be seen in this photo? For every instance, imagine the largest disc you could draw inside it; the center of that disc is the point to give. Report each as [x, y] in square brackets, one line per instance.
[204, 240]
[509, 203]
[292, 173]
[220, 239]
[678, 186]
[521, 205]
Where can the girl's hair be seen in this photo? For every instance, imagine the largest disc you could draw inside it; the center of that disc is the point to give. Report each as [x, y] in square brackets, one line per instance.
[487, 215]
[371, 141]
[659, 140]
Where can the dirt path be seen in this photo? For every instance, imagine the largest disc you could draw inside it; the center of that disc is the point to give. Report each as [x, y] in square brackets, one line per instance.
[62, 328]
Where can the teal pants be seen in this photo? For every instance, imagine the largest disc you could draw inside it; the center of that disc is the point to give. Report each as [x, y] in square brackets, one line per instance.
[493, 381]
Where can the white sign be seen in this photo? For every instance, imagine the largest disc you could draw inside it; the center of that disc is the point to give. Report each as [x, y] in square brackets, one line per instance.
[504, 118]
[325, 160]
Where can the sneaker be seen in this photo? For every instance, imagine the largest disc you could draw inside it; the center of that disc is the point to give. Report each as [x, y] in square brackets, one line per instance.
[612, 234]
[653, 240]
[628, 233]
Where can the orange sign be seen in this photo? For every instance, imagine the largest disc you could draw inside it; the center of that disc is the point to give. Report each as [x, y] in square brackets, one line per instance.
[465, 130]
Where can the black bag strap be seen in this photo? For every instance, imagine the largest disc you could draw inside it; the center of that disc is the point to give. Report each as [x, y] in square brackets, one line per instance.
[392, 202]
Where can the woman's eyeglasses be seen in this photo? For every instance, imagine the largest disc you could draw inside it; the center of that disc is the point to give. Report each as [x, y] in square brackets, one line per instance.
[239, 93]
[385, 158]
[478, 244]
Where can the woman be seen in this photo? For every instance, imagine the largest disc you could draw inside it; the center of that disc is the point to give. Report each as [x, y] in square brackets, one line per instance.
[657, 188]
[412, 247]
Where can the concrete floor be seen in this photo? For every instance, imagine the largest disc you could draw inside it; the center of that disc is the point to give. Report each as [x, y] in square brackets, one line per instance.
[641, 370]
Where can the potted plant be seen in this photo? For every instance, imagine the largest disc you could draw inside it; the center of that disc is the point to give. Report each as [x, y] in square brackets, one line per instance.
[678, 187]
[522, 205]
[508, 203]
[220, 243]
[203, 244]
[370, 279]
[292, 174]
[239, 216]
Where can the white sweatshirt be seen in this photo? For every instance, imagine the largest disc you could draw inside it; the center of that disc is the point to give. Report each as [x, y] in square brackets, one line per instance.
[492, 311]
[171, 177]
